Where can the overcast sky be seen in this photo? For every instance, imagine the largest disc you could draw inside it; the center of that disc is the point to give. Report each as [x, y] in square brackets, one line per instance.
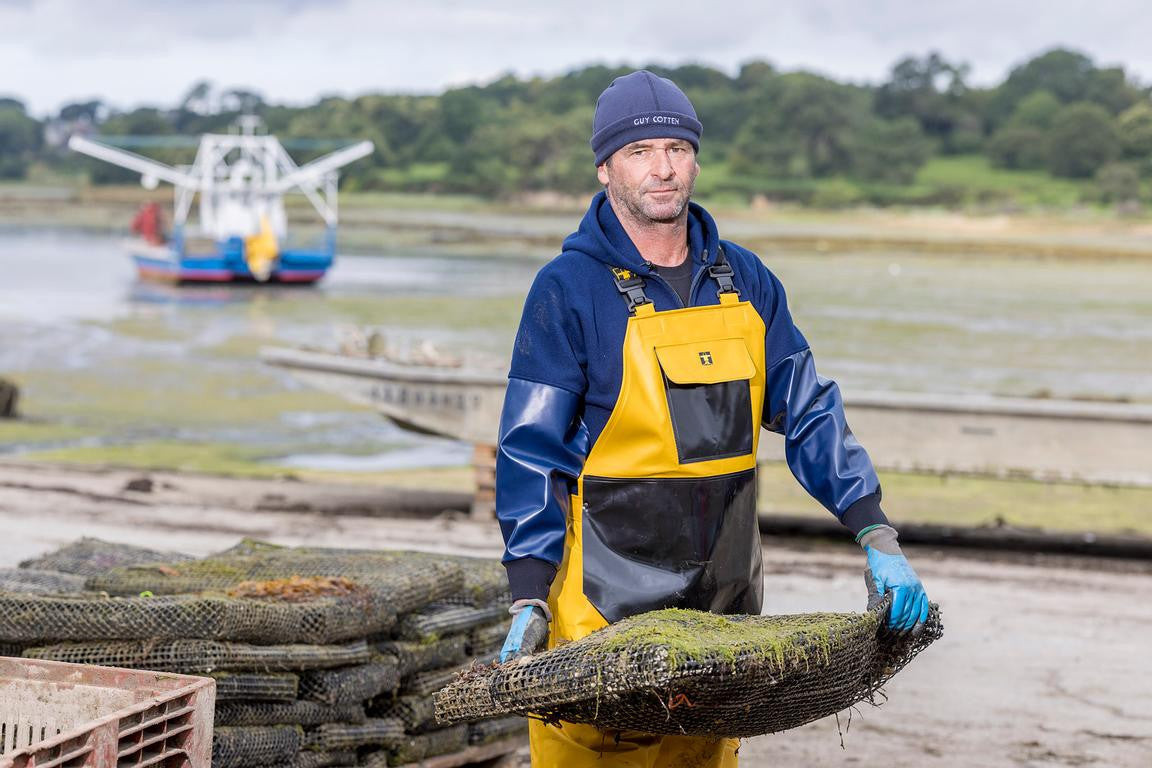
[130, 52]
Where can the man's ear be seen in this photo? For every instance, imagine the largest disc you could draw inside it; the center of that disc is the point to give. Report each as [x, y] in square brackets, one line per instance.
[602, 173]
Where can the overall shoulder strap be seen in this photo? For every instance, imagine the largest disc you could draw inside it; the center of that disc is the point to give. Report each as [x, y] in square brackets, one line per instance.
[631, 287]
[721, 272]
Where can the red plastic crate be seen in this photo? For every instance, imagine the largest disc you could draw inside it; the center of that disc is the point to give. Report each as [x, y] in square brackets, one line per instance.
[58, 715]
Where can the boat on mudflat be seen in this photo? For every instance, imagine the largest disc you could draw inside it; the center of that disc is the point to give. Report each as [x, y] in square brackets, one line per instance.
[241, 234]
[905, 431]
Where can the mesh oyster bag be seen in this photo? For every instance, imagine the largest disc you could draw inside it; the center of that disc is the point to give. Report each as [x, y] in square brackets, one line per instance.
[485, 580]
[418, 713]
[688, 672]
[412, 749]
[286, 713]
[89, 557]
[429, 682]
[43, 582]
[444, 619]
[340, 736]
[483, 641]
[489, 731]
[34, 619]
[415, 657]
[324, 759]
[246, 686]
[350, 685]
[203, 656]
[246, 747]
[403, 581]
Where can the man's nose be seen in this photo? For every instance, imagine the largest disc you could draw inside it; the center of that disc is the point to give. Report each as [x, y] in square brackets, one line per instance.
[663, 165]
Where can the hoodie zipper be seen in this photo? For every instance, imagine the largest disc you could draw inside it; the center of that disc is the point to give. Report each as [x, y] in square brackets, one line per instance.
[699, 274]
[654, 274]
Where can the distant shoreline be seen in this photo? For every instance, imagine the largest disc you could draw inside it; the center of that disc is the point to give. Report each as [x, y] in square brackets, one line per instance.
[369, 220]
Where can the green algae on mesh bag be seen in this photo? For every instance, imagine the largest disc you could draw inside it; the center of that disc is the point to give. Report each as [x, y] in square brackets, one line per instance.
[685, 637]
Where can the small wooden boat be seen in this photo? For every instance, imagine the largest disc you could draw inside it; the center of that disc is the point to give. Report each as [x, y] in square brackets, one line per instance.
[1040, 439]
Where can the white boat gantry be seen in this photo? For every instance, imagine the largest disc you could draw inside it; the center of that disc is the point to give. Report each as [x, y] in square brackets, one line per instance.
[241, 179]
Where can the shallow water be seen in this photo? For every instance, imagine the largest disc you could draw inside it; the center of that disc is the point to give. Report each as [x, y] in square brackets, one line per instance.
[125, 361]
[107, 362]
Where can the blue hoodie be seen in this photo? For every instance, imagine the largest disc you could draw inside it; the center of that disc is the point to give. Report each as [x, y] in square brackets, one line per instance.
[567, 365]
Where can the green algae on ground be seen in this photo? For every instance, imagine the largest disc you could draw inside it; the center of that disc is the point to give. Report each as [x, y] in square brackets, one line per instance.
[219, 458]
[685, 637]
[967, 500]
[206, 458]
[159, 393]
[29, 434]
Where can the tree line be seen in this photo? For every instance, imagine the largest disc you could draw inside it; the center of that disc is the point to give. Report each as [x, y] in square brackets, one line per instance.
[766, 131]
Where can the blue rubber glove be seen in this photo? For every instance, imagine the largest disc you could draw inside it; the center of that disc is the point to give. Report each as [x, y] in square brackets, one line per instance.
[892, 573]
[529, 629]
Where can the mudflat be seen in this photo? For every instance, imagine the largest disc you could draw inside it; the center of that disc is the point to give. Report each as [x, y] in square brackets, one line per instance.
[1043, 661]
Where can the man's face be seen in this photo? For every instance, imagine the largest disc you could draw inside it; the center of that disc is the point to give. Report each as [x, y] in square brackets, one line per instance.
[652, 179]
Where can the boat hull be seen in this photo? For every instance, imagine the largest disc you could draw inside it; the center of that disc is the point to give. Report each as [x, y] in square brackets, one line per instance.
[1046, 440]
[450, 402]
[172, 263]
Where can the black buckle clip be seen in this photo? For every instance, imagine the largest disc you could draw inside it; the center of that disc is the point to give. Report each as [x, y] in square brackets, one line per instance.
[631, 287]
[722, 274]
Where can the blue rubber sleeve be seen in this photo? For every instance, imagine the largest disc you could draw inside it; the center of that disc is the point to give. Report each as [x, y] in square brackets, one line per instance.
[541, 450]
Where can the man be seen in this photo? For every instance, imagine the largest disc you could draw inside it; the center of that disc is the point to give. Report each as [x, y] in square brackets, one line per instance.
[649, 355]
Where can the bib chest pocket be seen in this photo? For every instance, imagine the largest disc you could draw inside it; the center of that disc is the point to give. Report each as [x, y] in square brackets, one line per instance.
[709, 398]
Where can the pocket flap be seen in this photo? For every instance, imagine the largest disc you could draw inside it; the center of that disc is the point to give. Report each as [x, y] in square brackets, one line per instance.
[706, 362]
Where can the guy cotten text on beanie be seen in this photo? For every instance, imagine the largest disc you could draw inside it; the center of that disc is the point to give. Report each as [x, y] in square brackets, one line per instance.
[642, 106]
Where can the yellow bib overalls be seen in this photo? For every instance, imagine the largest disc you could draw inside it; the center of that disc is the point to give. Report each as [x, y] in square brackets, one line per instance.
[665, 510]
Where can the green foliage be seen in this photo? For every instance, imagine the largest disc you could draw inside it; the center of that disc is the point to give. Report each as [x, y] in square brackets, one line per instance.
[82, 110]
[146, 121]
[835, 193]
[933, 92]
[1037, 110]
[527, 151]
[20, 138]
[890, 151]
[1022, 143]
[786, 135]
[971, 178]
[1118, 183]
[1135, 128]
[1083, 138]
[1019, 148]
[804, 127]
[1070, 77]
[340, 119]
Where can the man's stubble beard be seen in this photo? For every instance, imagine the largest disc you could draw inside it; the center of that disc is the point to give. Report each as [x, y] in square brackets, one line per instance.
[655, 213]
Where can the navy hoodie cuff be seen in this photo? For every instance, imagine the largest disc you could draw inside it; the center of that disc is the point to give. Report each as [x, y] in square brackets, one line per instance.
[864, 513]
[529, 578]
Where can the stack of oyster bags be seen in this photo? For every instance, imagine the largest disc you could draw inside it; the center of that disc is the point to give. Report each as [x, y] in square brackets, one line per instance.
[322, 657]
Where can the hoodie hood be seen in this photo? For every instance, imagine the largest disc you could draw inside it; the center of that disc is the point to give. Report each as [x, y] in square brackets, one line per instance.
[602, 236]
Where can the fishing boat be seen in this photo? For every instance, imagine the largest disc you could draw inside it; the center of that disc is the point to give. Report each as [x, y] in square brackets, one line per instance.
[241, 234]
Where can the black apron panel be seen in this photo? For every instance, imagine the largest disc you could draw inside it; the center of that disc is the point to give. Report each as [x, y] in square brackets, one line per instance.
[710, 421]
[672, 543]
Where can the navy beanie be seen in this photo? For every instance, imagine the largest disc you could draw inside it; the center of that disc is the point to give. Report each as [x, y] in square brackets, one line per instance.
[642, 106]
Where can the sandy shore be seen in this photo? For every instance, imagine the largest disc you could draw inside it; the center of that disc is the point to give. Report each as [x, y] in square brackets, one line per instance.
[1044, 662]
